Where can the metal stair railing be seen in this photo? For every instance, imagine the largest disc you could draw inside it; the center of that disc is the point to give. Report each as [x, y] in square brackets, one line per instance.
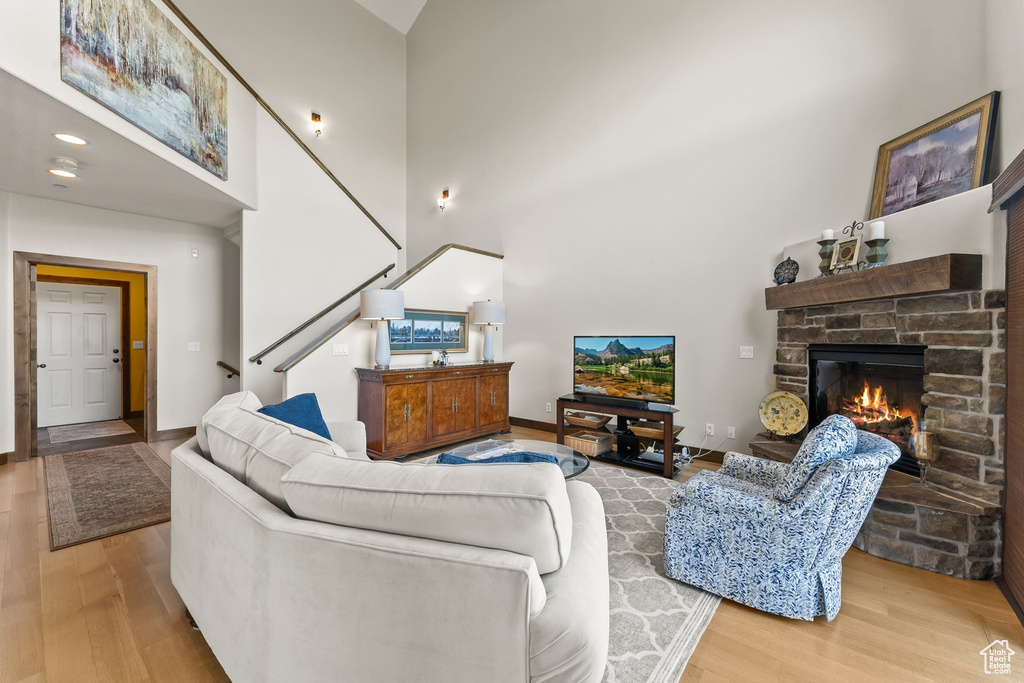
[258, 358]
[309, 348]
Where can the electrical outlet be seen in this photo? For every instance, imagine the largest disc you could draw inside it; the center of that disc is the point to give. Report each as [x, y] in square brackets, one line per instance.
[746, 352]
[547, 406]
[138, 346]
[732, 432]
[195, 253]
[341, 349]
[193, 346]
[709, 429]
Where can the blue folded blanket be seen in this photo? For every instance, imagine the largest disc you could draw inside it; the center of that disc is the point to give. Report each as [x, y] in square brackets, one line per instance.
[522, 456]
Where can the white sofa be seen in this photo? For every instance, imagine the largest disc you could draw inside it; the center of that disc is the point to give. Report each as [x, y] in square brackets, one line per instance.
[384, 571]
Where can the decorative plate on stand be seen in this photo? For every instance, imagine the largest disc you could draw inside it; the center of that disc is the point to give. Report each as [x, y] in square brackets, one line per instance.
[785, 272]
[783, 413]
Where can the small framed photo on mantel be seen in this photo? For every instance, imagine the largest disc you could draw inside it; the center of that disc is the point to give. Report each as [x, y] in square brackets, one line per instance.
[845, 254]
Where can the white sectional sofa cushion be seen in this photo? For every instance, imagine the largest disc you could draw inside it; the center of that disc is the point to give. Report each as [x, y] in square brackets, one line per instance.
[258, 449]
[520, 508]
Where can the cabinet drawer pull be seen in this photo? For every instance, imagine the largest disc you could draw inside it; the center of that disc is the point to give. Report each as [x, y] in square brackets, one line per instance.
[408, 376]
[458, 372]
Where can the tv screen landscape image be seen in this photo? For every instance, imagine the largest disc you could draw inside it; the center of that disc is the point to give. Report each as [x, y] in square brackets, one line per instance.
[629, 368]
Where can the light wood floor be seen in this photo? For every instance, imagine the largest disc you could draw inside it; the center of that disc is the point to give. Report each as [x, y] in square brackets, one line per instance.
[106, 611]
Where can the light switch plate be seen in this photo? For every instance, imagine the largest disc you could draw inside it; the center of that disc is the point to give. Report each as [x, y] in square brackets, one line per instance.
[193, 346]
[341, 349]
[746, 352]
[138, 346]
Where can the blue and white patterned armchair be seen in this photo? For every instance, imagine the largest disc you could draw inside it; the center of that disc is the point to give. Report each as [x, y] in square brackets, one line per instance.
[772, 535]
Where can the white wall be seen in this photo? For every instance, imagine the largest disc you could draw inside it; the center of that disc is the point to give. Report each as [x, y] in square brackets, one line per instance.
[643, 167]
[1004, 55]
[193, 300]
[451, 283]
[306, 247]
[335, 57]
[30, 50]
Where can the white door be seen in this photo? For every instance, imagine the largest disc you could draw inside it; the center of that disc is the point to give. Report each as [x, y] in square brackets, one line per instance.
[78, 353]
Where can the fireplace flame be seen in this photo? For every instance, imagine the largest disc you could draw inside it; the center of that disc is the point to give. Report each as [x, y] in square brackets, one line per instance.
[872, 407]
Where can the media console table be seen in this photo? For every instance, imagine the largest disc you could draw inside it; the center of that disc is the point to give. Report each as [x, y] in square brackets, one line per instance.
[624, 413]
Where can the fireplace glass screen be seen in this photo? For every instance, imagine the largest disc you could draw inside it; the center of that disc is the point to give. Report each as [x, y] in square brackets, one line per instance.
[878, 387]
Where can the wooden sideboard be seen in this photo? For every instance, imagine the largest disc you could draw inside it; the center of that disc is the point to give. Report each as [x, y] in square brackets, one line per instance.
[408, 410]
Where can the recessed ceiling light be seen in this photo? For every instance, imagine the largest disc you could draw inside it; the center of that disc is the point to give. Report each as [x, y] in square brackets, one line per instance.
[72, 139]
[66, 165]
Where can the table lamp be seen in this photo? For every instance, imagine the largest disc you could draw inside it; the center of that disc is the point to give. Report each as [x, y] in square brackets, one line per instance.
[382, 305]
[488, 313]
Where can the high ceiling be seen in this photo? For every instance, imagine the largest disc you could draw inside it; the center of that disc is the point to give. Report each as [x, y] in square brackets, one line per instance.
[398, 13]
[113, 172]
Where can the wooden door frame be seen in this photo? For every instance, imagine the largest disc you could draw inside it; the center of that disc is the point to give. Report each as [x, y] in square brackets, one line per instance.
[25, 398]
[125, 340]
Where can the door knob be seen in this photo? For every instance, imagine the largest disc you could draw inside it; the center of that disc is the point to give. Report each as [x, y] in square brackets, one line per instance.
[42, 365]
[117, 360]
[117, 350]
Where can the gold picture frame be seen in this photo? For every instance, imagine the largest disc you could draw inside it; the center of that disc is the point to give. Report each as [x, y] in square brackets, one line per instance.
[939, 159]
[846, 253]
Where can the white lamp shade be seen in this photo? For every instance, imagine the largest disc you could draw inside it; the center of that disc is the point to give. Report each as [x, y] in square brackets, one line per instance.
[382, 304]
[488, 313]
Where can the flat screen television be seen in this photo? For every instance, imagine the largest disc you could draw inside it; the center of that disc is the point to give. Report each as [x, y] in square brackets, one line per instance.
[625, 369]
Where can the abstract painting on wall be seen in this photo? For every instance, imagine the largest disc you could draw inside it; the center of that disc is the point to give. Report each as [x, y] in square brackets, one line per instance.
[128, 56]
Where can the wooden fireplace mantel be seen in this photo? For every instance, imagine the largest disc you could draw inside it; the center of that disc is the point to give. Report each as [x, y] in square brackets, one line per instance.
[933, 275]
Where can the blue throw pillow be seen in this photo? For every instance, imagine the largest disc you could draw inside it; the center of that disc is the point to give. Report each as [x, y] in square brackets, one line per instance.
[522, 456]
[302, 411]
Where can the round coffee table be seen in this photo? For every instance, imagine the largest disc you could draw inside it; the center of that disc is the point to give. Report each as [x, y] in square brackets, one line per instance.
[571, 461]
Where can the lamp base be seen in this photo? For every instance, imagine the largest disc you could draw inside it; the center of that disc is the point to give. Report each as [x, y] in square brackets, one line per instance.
[489, 344]
[382, 358]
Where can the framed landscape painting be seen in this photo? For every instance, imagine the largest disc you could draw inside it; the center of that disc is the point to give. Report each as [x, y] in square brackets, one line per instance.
[128, 56]
[940, 159]
[426, 331]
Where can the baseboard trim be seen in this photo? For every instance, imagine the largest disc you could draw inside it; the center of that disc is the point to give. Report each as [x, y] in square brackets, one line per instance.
[533, 424]
[169, 434]
[6, 458]
[1010, 598]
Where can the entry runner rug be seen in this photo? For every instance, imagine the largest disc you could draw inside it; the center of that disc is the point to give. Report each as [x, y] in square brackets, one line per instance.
[91, 430]
[105, 491]
[655, 621]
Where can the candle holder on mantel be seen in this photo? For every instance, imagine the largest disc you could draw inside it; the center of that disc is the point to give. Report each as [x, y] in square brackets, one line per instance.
[876, 253]
[924, 453]
[826, 256]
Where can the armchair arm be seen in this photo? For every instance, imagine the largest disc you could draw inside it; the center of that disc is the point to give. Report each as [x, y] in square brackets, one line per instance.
[350, 435]
[735, 497]
[755, 470]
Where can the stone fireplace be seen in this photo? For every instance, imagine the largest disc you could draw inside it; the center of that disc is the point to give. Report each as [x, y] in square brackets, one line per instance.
[953, 526]
[878, 386]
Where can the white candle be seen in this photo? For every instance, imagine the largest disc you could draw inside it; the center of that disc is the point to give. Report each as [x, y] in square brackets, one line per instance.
[827, 235]
[876, 230]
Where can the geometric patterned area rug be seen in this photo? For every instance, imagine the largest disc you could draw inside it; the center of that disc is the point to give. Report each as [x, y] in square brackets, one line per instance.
[656, 621]
[105, 491]
[89, 430]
